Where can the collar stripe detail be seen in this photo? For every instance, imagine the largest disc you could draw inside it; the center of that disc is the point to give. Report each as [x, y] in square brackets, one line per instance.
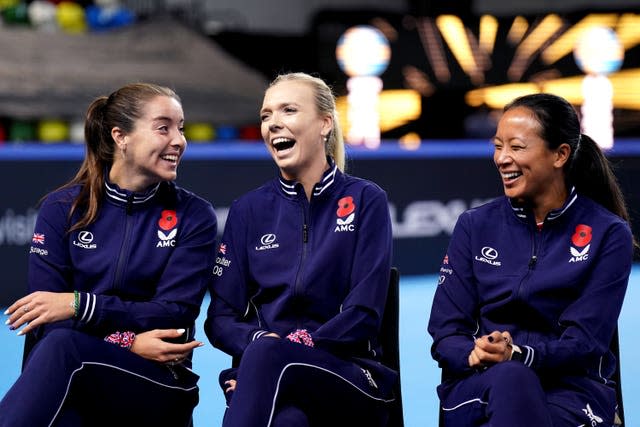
[573, 196]
[121, 196]
[327, 181]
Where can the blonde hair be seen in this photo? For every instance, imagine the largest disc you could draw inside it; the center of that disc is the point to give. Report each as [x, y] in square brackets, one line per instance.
[326, 104]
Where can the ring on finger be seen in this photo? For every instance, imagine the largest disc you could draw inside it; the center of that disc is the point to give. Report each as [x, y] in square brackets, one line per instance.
[25, 309]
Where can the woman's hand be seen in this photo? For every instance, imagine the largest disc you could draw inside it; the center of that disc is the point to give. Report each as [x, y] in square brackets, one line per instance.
[151, 345]
[232, 385]
[272, 335]
[38, 308]
[490, 349]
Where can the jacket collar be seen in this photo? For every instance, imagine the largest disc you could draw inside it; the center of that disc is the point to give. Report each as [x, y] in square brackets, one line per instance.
[293, 188]
[120, 196]
[523, 212]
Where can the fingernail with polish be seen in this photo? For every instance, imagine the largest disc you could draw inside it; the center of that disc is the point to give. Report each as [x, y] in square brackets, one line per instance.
[20, 333]
[6, 311]
[180, 331]
[7, 322]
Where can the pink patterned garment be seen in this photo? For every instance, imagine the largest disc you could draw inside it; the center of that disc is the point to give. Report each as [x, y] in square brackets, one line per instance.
[301, 336]
[123, 339]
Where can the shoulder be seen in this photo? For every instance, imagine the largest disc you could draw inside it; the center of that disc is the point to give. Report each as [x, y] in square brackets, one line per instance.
[265, 194]
[489, 211]
[184, 196]
[62, 196]
[185, 199]
[362, 185]
[587, 210]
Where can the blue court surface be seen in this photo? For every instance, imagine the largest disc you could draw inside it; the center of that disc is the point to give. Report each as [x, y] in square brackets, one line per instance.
[419, 373]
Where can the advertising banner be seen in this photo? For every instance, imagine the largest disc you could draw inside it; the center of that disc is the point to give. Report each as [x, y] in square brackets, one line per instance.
[427, 190]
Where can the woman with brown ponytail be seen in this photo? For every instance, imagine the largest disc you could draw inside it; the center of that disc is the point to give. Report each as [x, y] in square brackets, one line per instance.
[118, 268]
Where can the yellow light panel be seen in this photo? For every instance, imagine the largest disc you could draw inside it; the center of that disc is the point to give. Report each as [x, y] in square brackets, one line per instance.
[532, 43]
[498, 96]
[628, 30]
[626, 91]
[454, 33]
[395, 108]
[565, 43]
[540, 34]
[488, 31]
[517, 30]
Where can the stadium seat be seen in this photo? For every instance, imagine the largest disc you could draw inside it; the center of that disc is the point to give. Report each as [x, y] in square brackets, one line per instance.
[389, 340]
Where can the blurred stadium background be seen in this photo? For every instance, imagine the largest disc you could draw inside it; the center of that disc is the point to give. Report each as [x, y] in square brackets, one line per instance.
[446, 70]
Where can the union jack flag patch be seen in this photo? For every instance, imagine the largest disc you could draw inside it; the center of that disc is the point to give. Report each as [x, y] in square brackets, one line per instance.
[38, 238]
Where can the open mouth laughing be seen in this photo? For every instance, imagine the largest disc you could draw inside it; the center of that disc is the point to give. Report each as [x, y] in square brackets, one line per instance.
[281, 144]
[509, 177]
[172, 158]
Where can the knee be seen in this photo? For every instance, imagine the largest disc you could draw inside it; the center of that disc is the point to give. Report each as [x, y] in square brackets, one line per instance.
[512, 375]
[62, 343]
[267, 354]
[290, 416]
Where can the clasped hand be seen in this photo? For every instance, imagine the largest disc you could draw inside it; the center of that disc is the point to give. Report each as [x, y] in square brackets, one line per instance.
[491, 349]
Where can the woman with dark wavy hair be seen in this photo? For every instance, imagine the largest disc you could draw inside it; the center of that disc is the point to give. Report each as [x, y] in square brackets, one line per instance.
[532, 283]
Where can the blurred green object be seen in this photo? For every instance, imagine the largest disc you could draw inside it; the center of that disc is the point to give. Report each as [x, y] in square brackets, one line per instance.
[21, 131]
[15, 14]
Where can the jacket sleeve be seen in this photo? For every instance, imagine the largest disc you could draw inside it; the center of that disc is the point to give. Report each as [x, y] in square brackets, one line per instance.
[49, 263]
[361, 312]
[452, 322]
[179, 291]
[178, 294]
[589, 322]
[231, 322]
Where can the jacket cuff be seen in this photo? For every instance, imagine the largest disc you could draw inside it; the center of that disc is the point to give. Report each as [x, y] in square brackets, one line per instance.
[258, 334]
[86, 306]
[524, 354]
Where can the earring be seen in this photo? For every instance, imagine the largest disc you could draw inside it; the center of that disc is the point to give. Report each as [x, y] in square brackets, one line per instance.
[326, 138]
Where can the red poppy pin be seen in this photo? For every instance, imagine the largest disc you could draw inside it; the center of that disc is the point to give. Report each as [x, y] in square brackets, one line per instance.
[345, 206]
[582, 236]
[168, 220]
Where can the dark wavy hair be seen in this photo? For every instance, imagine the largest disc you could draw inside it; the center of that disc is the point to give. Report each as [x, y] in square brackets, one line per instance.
[587, 167]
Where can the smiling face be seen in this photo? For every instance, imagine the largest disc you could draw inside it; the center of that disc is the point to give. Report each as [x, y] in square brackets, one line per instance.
[530, 172]
[293, 130]
[152, 150]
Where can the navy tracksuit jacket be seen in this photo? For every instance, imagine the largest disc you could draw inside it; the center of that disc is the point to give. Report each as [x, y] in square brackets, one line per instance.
[558, 290]
[287, 263]
[142, 265]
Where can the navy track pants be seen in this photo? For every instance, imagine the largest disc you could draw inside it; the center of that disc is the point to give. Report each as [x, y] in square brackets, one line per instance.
[72, 379]
[511, 394]
[285, 384]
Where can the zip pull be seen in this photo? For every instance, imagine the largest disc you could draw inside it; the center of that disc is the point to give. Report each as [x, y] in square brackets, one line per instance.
[532, 261]
[129, 204]
[305, 233]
